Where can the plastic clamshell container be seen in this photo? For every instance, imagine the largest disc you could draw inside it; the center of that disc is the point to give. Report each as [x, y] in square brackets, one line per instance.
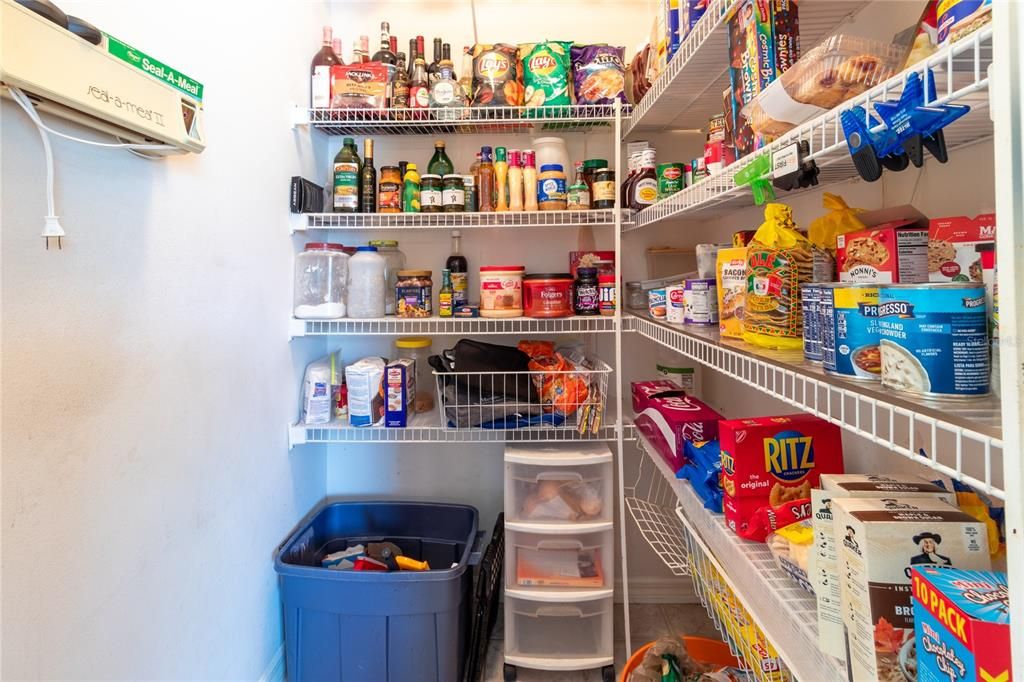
[551, 635]
[545, 557]
[349, 626]
[782, 551]
[839, 68]
[564, 494]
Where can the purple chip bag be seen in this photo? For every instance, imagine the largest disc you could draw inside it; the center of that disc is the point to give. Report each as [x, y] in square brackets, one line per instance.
[598, 74]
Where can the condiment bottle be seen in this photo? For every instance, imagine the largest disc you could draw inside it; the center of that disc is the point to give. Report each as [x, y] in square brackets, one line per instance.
[578, 197]
[627, 182]
[529, 180]
[346, 178]
[411, 192]
[500, 180]
[586, 294]
[440, 164]
[469, 185]
[445, 300]
[485, 181]
[644, 191]
[390, 190]
[515, 181]
[458, 267]
[368, 180]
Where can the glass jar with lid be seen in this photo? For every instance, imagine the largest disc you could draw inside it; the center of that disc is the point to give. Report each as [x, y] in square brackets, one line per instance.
[431, 194]
[394, 260]
[418, 348]
[321, 274]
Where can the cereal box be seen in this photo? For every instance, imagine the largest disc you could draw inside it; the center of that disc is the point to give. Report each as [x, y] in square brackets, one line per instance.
[731, 281]
[961, 625]
[957, 248]
[825, 578]
[882, 541]
[884, 254]
[769, 460]
[667, 417]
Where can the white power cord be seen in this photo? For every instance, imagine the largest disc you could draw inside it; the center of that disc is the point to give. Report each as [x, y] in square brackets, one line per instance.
[51, 222]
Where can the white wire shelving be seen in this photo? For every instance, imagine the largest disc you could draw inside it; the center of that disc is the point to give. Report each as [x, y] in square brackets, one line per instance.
[303, 222]
[690, 89]
[960, 439]
[652, 498]
[961, 77]
[440, 326]
[529, 120]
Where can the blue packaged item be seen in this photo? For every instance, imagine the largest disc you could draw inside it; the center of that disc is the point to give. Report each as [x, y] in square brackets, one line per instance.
[690, 12]
[954, 19]
[703, 469]
[672, 20]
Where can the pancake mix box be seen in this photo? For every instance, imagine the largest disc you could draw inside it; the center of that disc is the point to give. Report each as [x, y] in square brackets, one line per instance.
[961, 625]
[667, 417]
[880, 542]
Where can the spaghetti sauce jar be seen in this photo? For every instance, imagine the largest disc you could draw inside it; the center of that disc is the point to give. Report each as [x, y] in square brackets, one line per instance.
[389, 194]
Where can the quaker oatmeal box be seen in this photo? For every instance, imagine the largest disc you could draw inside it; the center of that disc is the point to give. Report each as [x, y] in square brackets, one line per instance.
[957, 248]
[825, 578]
[884, 254]
[879, 542]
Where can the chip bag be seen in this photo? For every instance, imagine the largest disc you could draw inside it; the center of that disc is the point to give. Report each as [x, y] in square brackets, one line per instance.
[495, 71]
[561, 389]
[823, 231]
[599, 76]
[546, 69]
[779, 260]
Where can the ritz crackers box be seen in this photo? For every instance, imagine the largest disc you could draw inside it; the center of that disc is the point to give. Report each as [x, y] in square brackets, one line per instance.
[667, 417]
[961, 625]
[759, 453]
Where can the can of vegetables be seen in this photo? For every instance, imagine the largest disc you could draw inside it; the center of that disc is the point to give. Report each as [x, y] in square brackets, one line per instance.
[670, 179]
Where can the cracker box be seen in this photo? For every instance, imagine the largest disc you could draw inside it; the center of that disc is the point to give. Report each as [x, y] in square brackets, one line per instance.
[667, 417]
[884, 254]
[766, 453]
[400, 391]
[879, 542]
[731, 285]
[960, 249]
[961, 625]
[825, 577]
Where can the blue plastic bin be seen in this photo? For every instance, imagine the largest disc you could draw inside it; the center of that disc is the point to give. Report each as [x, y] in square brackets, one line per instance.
[355, 626]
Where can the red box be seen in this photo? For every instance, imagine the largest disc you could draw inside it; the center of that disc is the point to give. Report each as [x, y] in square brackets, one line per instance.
[961, 249]
[884, 254]
[667, 417]
[758, 454]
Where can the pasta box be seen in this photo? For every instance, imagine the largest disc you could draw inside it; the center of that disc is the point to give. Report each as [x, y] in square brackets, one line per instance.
[668, 417]
[961, 624]
[771, 460]
[961, 249]
[880, 543]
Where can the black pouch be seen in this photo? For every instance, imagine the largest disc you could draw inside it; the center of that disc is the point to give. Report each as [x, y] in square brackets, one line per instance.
[495, 362]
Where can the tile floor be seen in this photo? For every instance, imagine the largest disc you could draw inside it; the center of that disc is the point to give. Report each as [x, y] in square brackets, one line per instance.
[647, 622]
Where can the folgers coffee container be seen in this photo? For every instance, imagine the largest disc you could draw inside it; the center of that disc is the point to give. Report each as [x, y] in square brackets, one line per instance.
[810, 298]
[848, 318]
[934, 339]
[547, 296]
[671, 179]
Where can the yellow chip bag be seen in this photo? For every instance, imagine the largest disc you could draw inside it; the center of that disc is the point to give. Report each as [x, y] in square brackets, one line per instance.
[824, 230]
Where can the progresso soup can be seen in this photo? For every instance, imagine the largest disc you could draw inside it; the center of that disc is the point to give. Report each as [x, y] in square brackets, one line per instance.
[810, 298]
[848, 314]
[934, 339]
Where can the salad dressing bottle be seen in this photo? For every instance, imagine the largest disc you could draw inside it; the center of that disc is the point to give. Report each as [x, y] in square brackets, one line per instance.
[485, 181]
[529, 180]
[500, 180]
[515, 181]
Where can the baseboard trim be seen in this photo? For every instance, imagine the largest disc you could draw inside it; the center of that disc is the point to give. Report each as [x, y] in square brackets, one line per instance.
[658, 591]
[274, 672]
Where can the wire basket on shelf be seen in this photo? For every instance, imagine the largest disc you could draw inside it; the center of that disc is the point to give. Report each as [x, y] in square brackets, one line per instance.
[652, 500]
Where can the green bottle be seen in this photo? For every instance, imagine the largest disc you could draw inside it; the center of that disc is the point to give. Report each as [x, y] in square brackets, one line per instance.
[411, 191]
[440, 164]
[346, 178]
[445, 299]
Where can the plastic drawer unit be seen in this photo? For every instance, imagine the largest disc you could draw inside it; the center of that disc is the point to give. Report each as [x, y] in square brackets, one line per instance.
[552, 635]
[558, 485]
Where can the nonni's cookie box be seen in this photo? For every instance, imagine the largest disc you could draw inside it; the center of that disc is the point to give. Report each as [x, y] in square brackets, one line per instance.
[884, 254]
[786, 453]
[668, 418]
[961, 625]
[880, 541]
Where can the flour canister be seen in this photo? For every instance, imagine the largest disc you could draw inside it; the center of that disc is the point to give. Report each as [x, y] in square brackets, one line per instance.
[849, 335]
[934, 339]
[701, 296]
[675, 304]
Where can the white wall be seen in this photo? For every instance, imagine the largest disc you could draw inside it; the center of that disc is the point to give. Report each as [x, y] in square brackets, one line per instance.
[147, 377]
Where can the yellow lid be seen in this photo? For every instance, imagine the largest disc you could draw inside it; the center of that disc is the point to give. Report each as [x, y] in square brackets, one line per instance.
[412, 342]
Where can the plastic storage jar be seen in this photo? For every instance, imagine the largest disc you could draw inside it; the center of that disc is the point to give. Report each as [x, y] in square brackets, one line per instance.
[418, 348]
[551, 150]
[547, 295]
[394, 261]
[367, 283]
[321, 274]
[501, 290]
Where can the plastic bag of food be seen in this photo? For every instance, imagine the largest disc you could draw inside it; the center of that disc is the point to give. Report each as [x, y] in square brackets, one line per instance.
[561, 389]
[791, 548]
[494, 76]
[823, 231]
[599, 76]
[779, 260]
[546, 74]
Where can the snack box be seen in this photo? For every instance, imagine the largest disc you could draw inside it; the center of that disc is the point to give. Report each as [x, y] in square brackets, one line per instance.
[769, 460]
[884, 254]
[400, 391]
[882, 541]
[731, 285]
[961, 249]
[825, 578]
[961, 624]
[667, 417]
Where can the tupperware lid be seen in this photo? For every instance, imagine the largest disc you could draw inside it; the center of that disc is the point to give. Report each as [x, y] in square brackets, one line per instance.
[550, 167]
[412, 342]
[415, 273]
[384, 243]
[557, 275]
[367, 248]
[501, 268]
[595, 163]
[323, 246]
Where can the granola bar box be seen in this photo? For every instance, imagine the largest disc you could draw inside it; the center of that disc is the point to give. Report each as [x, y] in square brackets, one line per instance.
[667, 417]
[880, 542]
[884, 254]
[961, 624]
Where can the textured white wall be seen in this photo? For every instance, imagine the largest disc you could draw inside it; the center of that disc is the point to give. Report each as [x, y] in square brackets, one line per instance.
[147, 377]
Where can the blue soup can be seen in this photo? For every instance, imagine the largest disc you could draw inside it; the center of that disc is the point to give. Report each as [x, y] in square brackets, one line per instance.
[934, 339]
[810, 298]
[849, 330]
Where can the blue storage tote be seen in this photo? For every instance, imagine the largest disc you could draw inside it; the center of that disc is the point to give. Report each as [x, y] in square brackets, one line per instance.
[351, 626]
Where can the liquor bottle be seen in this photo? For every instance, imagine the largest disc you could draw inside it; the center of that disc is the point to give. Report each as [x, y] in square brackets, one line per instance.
[458, 267]
[421, 53]
[446, 56]
[644, 190]
[466, 78]
[386, 57]
[346, 178]
[361, 53]
[400, 92]
[485, 181]
[393, 44]
[402, 167]
[320, 72]
[368, 180]
[336, 46]
[440, 164]
[411, 191]
[445, 298]
[434, 68]
[419, 90]
[447, 97]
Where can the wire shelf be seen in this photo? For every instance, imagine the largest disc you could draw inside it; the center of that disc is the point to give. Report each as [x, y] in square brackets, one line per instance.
[527, 120]
[652, 500]
[439, 326]
[440, 221]
[960, 439]
[961, 77]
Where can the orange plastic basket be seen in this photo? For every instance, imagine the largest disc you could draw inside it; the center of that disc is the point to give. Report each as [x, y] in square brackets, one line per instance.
[712, 651]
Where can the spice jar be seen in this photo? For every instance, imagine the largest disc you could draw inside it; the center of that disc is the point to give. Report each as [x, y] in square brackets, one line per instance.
[321, 271]
[590, 168]
[394, 260]
[501, 290]
[417, 349]
[389, 194]
[431, 197]
[606, 294]
[551, 188]
[453, 194]
[413, 293]
[603, 193]
[586, 297]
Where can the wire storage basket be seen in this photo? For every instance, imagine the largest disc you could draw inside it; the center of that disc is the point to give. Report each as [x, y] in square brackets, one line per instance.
[652, 499]
[563, 399]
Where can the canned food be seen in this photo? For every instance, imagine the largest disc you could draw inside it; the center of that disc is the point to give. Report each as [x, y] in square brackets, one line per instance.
[701, 302]
[670, 179]
[656, 303]
[810, 298]
[934, 339]
[848, 316]
[675, 304]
